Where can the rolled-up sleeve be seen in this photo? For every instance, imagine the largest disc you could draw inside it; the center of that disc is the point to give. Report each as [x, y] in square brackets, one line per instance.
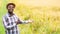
[24, 21]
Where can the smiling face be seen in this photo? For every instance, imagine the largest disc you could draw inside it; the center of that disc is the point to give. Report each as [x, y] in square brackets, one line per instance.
[10, 7]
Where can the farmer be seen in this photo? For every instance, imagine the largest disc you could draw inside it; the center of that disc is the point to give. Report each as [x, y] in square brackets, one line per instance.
[10, 20]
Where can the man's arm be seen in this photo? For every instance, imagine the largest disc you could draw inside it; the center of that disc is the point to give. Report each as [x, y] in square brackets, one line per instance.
[23, 22]
[6, 25]
[19, 21]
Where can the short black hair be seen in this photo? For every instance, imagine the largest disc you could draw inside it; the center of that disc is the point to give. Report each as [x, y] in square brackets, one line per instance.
[10, 4]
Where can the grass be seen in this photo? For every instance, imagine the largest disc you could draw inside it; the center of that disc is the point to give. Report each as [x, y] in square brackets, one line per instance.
[46, 19]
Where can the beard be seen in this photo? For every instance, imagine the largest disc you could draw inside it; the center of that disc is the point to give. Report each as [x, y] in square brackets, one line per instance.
[10, 12]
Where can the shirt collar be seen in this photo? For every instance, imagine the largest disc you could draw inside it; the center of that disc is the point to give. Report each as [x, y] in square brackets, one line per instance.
[9, 14]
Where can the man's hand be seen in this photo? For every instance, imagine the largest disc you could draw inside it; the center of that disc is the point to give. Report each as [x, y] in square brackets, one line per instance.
[30, 21]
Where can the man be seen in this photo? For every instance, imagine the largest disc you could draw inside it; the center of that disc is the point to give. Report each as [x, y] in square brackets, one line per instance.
[10, 20]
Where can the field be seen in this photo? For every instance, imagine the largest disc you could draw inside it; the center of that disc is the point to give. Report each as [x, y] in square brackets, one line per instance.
[45, 13]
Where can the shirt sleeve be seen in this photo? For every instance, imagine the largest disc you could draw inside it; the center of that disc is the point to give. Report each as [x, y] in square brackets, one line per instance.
[24, 21]
[6, 25]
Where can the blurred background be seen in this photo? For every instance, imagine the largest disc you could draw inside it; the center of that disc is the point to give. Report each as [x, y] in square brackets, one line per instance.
[45, 13]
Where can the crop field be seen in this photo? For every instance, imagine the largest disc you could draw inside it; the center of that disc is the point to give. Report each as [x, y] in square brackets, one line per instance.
[44, 13]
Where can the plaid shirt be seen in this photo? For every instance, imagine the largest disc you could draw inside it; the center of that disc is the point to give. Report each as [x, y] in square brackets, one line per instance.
[10, 25]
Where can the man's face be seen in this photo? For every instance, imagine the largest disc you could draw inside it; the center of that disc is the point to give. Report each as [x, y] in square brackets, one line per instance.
[10, 8]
